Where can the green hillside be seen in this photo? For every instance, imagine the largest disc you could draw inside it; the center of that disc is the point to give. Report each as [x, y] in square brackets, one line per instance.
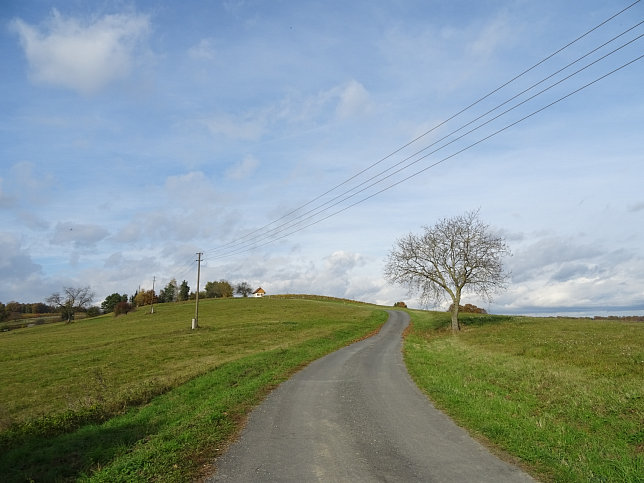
[143, 396]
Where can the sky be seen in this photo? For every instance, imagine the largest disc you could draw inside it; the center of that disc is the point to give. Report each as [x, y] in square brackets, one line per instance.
[293, 142]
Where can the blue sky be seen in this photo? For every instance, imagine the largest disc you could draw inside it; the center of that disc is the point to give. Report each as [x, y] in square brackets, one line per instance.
[135, 134]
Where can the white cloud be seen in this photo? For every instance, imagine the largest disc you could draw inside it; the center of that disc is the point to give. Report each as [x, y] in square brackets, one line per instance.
[130, 233]
[24, 184]
[82, 55]
[339, 263]
[20, 276]
[122, 273]
[15, 262]
[204, 50]
[6, 200]
[32, 182]
[488, 39]
[80, 235]
[190, 189]
[558, 273]
[354, 100]
[548, 256]
[177, 213]
[345, 101]
[32, 221]
[165, 225]
[296, 273]
[243, 169]
[342, 273]
[244, 128]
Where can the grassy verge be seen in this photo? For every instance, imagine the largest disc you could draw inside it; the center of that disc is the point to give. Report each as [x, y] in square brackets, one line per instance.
[207, 383]
[565, 396]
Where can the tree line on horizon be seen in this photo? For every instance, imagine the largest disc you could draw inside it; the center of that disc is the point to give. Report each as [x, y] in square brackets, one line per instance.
[68, 303]
[173, 292]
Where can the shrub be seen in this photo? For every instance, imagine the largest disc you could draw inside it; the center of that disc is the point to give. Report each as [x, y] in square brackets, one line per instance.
[468, 308]
[122, 308]
[93, 312]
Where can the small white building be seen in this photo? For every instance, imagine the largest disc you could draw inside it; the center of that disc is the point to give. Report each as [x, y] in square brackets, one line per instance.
[260, 292]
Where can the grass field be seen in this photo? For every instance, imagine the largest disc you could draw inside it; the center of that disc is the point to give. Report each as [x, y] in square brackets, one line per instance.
[29, 320]
[143, 396]
[566, 396]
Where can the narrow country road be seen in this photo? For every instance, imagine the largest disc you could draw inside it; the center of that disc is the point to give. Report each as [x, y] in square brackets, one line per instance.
[355, 415]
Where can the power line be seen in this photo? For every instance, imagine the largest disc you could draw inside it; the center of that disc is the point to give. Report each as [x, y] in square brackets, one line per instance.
[251, 245]
[252, 241]
[241, 239]
[187, 269]
[417, 173]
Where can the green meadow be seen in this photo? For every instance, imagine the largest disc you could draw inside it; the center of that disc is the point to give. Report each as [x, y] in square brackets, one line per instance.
[143, 397]
[566, 396]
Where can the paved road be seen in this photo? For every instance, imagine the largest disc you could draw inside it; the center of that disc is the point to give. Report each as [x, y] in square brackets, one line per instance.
[355, 415]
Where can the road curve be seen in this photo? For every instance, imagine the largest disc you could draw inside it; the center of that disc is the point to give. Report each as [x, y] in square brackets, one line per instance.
[355, 415]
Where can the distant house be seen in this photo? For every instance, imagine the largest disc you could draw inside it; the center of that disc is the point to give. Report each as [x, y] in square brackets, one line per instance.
[260, 292]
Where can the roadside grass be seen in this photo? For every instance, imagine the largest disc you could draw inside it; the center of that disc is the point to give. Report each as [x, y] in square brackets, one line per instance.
[566, 396]
[146, 398]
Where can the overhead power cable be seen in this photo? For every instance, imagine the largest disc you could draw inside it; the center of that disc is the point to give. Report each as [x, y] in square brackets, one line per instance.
[188, 268]
[378, 177]
[413, 175]
[263, 237]
[241, 239]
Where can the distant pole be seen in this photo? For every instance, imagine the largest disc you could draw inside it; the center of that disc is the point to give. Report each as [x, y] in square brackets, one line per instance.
[195, 321]
[152, 302]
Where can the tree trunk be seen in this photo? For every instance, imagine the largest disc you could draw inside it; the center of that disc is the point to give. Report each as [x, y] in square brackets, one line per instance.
[455, 306]
[455, 325]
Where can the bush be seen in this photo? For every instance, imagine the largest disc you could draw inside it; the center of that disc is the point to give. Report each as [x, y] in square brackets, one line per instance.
[122, 308]
[93, 312]
[400, 304]
[468, 309]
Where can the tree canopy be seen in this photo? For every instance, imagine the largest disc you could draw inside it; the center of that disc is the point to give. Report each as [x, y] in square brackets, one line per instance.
[71, 300]
[184, 291]
[218, 289]
[170, 293]
[111, 300]
[455, 255]
[145, 297]
[243, 289]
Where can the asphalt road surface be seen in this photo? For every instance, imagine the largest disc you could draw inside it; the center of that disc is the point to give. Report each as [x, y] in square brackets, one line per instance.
[355, 415]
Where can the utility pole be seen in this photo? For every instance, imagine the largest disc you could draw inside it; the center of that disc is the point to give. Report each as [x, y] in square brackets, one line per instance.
[195, 321]
[152, 302]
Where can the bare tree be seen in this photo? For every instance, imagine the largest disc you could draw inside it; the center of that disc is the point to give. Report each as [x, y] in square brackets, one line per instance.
[243, 289]
[71, 300]
[454, 255]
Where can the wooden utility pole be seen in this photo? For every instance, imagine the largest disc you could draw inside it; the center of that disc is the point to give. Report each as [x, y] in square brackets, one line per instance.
[152, 302]
[195, 321]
